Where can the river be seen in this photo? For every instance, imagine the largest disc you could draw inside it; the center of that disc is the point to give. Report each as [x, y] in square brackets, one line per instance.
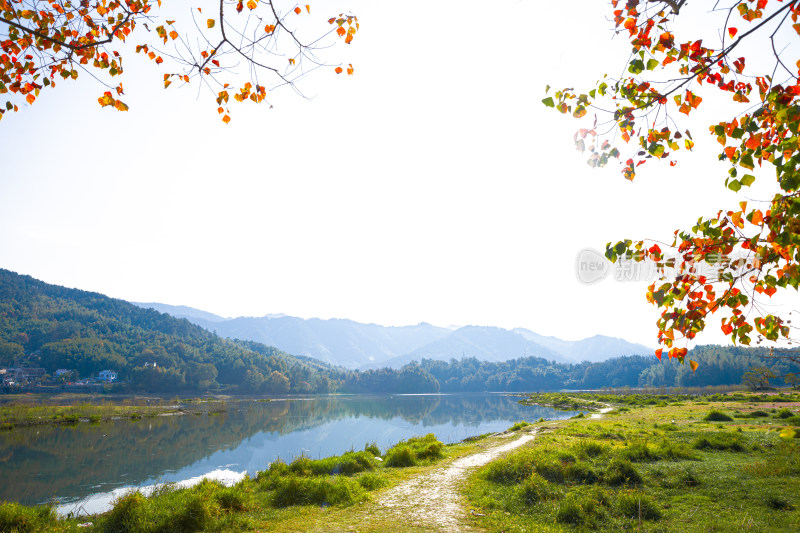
[83, 467]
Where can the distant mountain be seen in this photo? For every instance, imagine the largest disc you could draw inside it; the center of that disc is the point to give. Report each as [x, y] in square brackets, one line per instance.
[483, 343]
[335, 341]
[182, 311]
[355, 345]
[594, 349]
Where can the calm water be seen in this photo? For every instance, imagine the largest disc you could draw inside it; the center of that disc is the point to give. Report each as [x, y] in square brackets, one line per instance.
[82, 465]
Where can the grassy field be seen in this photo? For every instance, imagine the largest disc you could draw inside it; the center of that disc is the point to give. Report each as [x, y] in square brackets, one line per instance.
[654, 463]
[68, 409]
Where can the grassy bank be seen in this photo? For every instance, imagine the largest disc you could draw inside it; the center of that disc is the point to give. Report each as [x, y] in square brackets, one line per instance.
[25, 411]
[286, 496]
[652, 464]
[681, 464]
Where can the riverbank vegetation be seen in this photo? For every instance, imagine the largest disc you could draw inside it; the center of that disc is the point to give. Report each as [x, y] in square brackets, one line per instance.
[683, 463]
[24, 412]
[714, 463]
[273, 497]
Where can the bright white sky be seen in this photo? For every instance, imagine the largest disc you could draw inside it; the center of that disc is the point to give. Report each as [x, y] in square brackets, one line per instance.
[431, 186]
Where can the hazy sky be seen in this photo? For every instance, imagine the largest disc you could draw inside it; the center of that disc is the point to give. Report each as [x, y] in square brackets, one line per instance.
[431, 186]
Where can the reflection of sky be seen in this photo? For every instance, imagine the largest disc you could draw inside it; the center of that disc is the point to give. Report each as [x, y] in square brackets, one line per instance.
[255, 452]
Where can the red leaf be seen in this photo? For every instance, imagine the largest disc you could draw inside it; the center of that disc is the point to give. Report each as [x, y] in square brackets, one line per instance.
[732, 32]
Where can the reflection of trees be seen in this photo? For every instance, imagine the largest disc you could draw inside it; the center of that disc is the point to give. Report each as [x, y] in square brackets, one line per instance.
[45, 461]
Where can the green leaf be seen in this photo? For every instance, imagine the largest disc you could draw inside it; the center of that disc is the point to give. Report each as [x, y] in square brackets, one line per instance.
[747, 162]
[748, 179]
[734, 185]
[636, 66]
[652, 64]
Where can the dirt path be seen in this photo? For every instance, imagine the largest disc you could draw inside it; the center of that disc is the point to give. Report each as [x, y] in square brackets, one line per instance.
[432, 499]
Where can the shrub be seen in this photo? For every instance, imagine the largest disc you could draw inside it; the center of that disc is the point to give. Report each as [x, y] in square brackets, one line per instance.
[127, 514]
[401, 456]
[519, 425]
[513, 468]
[536, 489]
[590, 448]
[633, 505]
[621, 472]
[784, 413]
[569, 512]
[293, 490]
[580, 473]
[415, 449]
[637, 452]
[792, 420]
[232, 499]
[371, 481]
[22, 519]
[717, 416]
[372, 448]
[194, 513]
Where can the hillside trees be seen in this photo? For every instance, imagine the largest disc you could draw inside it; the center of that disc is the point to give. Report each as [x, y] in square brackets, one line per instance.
[741, 53]
[236, 49]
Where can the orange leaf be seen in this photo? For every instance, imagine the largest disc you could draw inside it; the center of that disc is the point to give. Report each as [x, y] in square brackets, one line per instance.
[159, 60]
[341, 31]
[252, 4]
[226, 119]
[120, 106]
[269, 28]
[210, 23]
[338, 70]
[758, 217]
[348, 38]
[308, 8]
[298, 10]
[693, 365]
[350, 70]
[173, 34]
[659, 352]
[30, 98]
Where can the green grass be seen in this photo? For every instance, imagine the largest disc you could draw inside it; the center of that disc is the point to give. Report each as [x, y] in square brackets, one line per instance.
[658, 467]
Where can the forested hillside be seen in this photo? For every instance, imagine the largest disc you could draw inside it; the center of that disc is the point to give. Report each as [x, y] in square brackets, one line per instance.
[55, 327]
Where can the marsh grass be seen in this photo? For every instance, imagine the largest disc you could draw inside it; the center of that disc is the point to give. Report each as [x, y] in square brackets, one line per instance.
[21, 519]
[659, 468]
[20, 414]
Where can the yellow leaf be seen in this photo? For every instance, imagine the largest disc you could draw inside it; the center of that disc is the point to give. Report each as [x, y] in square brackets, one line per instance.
[251, 4]
[120, 106]
[210, 23]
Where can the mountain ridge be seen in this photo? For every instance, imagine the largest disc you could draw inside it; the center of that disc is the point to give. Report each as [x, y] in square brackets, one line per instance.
[356, 345]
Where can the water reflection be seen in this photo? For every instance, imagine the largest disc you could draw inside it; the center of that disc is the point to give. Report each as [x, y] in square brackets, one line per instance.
[70, 464]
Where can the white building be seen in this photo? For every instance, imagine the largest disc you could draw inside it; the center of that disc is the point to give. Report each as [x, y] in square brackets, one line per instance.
[107, 376]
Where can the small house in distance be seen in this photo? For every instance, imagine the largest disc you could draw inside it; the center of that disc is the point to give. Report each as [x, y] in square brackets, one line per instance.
[107, 375]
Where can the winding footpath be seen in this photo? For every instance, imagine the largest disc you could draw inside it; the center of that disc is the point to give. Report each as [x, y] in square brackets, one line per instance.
[433, 499]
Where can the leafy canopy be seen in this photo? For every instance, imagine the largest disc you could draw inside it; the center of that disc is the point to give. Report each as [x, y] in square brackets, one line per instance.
[730, 262]
[234, 49]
